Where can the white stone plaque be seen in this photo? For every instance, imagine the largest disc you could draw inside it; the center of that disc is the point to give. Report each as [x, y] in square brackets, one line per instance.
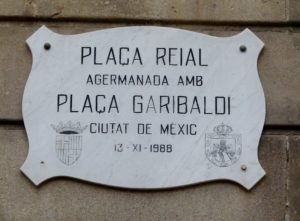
[144, 107]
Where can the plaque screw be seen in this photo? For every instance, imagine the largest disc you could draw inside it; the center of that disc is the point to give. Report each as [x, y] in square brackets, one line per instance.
[243, 48]
[244, 167]
[47, 46]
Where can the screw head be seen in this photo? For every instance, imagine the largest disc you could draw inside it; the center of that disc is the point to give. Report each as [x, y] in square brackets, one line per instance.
[243, 48]
[47, 46]
[243, 167]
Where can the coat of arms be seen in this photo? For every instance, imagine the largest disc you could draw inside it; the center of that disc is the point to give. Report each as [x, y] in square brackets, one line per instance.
[223, 148]
[68, 144]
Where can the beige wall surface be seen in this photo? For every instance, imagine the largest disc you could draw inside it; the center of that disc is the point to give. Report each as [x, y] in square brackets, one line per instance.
[276, 197]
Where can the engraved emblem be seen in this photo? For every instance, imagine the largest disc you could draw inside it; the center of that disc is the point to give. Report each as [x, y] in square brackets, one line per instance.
[223, 148]
[68, 143]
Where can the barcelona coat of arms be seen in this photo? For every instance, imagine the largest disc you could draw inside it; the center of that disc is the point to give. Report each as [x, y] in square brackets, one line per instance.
[68, 144]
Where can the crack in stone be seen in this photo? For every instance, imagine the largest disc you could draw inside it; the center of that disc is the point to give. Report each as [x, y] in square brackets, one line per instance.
[287, 208]
[56, 14]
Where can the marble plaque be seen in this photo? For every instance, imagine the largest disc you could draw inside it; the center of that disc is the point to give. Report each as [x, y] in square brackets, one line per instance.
[144, 107]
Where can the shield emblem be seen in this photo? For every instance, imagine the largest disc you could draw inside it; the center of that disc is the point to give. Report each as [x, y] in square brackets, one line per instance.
[68, 148]
[68, 144]
[223, 148]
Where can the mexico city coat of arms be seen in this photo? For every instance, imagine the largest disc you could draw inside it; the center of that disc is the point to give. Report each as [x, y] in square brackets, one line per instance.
[223, 148]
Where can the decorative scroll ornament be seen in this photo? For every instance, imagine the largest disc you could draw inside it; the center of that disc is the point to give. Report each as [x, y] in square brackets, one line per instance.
[144, 107]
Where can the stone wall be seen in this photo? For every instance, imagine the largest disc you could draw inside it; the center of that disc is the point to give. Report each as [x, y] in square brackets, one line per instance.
[276, 197]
